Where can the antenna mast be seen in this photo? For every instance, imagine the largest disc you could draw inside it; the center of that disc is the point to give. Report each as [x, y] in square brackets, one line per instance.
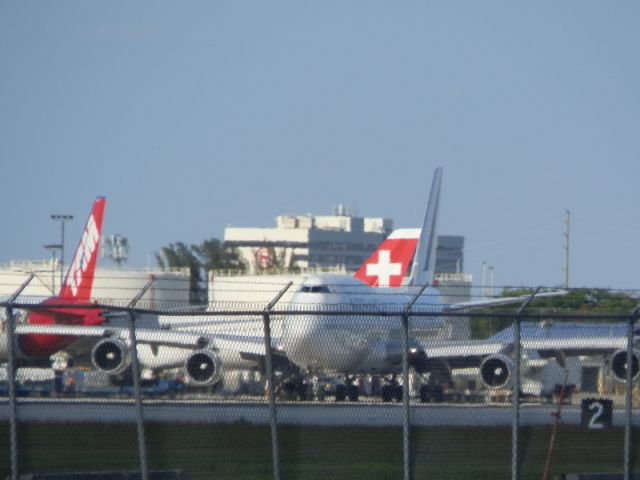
[116, 247]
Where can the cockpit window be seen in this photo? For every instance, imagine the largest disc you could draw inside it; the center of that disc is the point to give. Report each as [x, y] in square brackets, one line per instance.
[314, 289]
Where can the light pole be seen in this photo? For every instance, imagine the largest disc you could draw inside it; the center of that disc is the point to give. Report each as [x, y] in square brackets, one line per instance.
[53, 248]
[565, 268]
[61, 218]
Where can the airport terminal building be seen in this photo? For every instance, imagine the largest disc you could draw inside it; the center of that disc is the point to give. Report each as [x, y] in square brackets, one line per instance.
[339, 242]
[301, 242]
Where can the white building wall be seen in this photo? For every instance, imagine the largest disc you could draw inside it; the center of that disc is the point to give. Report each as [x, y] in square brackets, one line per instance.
[117, 286]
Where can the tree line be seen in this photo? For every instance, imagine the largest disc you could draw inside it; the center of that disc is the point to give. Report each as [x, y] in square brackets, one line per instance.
[576, 301]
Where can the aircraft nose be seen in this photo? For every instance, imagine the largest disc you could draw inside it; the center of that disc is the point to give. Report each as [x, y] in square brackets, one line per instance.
[300, 337]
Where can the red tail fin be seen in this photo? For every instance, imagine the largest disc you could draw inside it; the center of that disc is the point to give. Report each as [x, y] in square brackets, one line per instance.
[388, 265]
[76, 289]
[79, 280]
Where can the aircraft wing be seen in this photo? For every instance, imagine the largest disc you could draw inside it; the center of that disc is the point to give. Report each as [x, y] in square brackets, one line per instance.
[493, 302]
[481, 348]
[574, 346]
[173, 338]
[471, 353]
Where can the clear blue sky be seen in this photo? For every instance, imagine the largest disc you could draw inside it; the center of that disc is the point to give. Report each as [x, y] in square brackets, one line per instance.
[192, 116]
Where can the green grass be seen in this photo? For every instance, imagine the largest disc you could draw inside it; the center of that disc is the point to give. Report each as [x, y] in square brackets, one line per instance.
[244, 451]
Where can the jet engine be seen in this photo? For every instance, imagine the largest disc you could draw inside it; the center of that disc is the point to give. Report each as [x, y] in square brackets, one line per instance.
[111, 355]
[203, 367]
[496, 370]
[619, 365]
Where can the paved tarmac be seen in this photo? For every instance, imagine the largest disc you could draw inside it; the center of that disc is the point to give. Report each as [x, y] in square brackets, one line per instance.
[292, 413]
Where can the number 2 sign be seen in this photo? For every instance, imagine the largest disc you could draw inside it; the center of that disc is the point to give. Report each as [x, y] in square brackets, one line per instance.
[597, 413]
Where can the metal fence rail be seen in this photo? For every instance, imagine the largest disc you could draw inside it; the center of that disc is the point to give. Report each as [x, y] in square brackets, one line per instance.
[289, 394]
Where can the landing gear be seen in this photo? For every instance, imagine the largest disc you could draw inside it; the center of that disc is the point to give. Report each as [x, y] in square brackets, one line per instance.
[341, 392]
[391, 391]
[431, 392]
[304, 388]
[305, 391]
[347, 390]
[298, 390]
[353, 392]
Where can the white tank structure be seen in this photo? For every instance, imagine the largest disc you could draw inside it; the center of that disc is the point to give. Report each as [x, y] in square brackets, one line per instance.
[12, 275]
[111, 286]
[170, 289]
[237, 291]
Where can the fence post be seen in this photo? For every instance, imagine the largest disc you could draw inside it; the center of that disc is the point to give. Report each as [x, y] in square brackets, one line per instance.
[405, 384]
[268, 362]
[515, 396]
[11, 379]
[629, 395]
[135, 372]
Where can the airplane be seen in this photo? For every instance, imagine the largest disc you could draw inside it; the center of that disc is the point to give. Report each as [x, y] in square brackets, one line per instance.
[346, 346]
[70, 305]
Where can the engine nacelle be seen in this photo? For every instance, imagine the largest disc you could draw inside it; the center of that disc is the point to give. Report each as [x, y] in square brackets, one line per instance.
[496, 371]
[203, 367]
[111, 355]
[619, 365]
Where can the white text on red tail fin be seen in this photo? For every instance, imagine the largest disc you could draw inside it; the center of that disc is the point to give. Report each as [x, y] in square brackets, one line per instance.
[79, 280]
[422, 271]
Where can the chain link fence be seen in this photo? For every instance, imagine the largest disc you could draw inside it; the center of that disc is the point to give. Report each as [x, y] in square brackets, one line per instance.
[321, 380]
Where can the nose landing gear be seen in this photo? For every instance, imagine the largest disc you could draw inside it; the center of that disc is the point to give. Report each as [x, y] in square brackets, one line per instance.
[347, 390]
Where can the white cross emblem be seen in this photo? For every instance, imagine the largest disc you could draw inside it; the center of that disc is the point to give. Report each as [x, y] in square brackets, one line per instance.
[384, 269]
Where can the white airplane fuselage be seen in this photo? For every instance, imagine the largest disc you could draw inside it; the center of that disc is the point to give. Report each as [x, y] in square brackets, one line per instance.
[354, 344]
